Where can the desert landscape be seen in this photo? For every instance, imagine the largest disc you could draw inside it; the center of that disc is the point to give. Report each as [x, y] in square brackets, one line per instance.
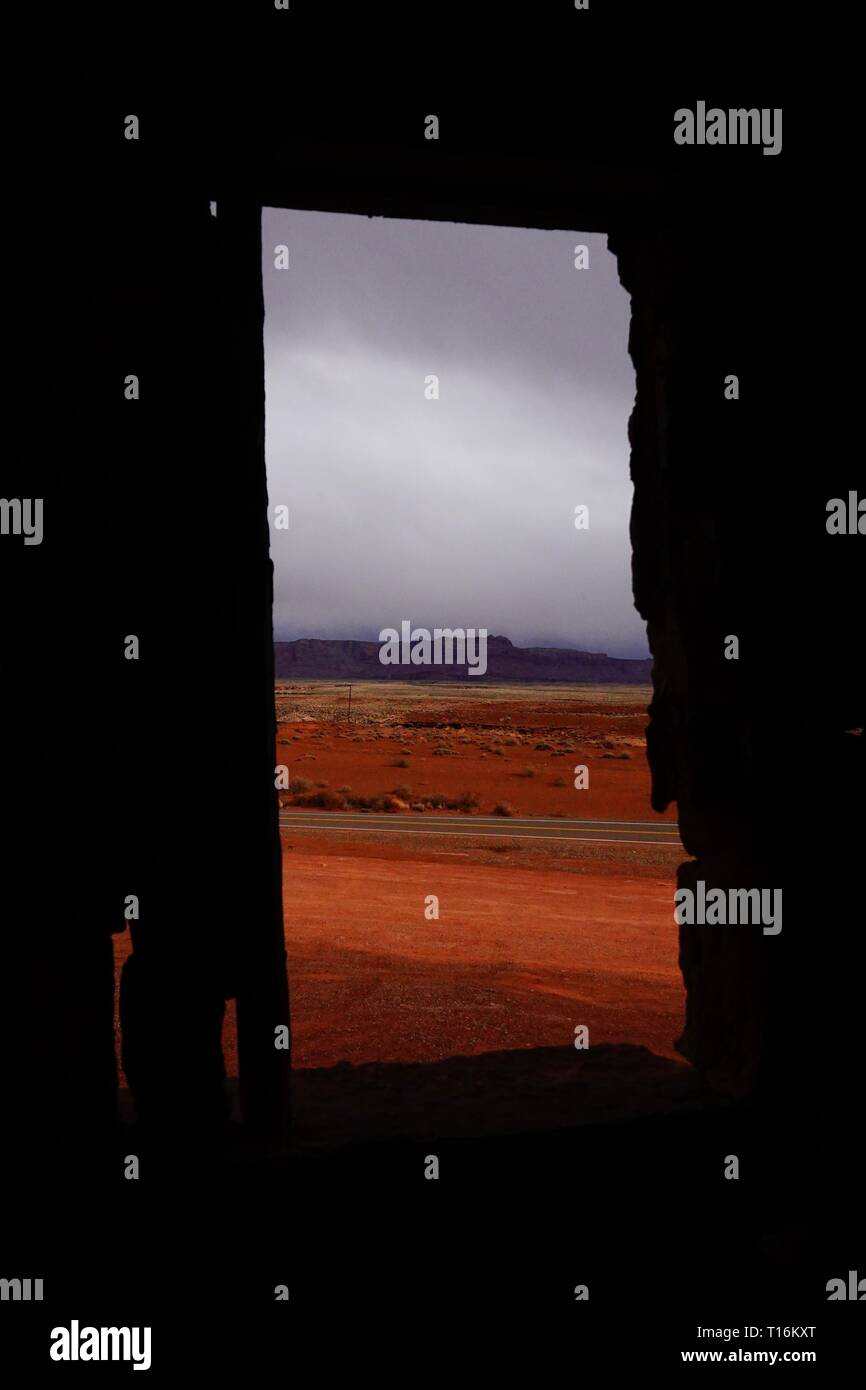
[498, 749]
[466, 796]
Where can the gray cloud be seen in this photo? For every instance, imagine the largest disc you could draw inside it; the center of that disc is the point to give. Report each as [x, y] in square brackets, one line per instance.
[459, 511]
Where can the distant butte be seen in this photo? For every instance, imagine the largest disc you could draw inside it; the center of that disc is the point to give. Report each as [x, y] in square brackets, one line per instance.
[314, 658]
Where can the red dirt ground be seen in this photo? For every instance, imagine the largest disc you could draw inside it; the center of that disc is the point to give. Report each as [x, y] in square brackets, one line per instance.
[517, 959]
[481, 746]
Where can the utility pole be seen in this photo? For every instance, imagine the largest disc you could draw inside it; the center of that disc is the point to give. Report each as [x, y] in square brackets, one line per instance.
[347, 685]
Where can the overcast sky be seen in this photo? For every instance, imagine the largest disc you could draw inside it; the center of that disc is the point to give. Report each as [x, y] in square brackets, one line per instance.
[456, 512]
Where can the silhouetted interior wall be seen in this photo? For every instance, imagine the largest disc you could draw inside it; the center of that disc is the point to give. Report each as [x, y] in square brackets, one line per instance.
[729, 537]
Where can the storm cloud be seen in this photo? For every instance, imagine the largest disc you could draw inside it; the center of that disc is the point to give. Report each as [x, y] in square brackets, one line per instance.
[457, 511]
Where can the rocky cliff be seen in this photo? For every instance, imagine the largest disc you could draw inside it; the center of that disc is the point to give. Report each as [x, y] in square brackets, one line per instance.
[311, 658]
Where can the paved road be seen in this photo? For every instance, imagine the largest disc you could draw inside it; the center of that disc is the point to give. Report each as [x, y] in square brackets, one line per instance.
[623, 832]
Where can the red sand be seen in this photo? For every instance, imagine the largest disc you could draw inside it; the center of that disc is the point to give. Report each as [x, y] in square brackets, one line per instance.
[490, 760]
[532, 939]
[517, 959]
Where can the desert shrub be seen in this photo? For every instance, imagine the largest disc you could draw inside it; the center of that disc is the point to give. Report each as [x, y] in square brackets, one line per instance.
[503, 808]
[436, 801]
[322, 785]
[385, 802]
[558, 782]
[401, 762]
[344, 791]
[543, 747]
[443, 753]
[624, 755]
[466, 802]
[497, 752]
[404, 793]
[526, 772]
[299, 784]
[510, 742]
[323, 801]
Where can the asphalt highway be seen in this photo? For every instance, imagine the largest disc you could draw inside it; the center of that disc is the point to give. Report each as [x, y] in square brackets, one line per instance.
[499, 827]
